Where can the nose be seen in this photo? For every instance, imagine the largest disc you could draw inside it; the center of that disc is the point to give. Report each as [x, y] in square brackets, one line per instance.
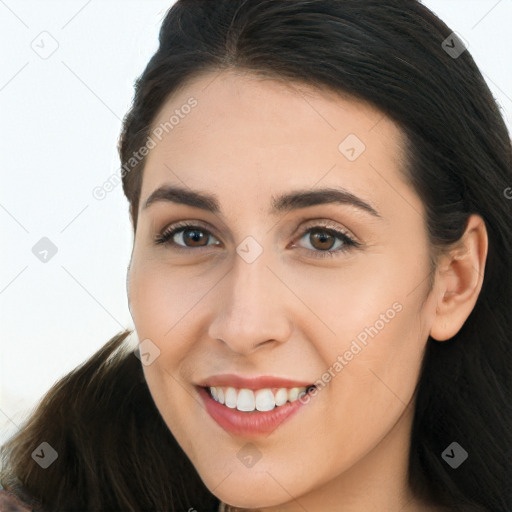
[250, 308]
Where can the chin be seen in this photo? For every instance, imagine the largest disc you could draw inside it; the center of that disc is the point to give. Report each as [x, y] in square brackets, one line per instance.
[252, 500]
[252, 495]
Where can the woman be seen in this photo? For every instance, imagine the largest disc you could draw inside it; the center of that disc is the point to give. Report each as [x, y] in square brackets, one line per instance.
[320, 279]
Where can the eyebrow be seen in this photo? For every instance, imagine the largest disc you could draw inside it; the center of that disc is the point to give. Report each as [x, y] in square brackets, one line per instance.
[294, 200]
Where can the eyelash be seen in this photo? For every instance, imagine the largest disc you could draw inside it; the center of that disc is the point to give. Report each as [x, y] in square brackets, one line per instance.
[165, 237]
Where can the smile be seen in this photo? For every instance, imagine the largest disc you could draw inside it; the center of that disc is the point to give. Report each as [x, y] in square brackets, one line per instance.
[239, 410]
[248, 400]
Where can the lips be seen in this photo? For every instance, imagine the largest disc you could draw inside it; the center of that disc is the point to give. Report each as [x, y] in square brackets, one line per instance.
[241, 419]
[254, 383]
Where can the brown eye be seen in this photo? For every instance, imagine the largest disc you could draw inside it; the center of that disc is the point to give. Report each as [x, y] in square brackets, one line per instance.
[321, 239]
[194, 237]
[185, 236]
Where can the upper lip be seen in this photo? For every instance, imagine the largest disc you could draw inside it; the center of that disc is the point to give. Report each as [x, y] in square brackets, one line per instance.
[263, 381]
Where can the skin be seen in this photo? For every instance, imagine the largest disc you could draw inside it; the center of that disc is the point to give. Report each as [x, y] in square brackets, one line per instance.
[288, 313]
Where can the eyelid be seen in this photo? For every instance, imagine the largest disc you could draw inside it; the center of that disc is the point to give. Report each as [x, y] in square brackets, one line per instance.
[303, 223]
[326, 224]
[188, 224]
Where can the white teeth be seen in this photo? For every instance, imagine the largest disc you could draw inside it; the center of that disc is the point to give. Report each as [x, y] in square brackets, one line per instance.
[230, 398]
[247, 400]
[293, 394]
[281, 396]
[264, 400]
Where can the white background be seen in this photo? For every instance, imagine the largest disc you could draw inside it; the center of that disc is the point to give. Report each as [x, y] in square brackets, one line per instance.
[60, 121]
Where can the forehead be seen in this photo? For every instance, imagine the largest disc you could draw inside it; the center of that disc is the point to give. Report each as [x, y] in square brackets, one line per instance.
[228, 132]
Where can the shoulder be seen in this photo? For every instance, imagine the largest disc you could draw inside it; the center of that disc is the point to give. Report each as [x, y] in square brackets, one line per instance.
[10, 503]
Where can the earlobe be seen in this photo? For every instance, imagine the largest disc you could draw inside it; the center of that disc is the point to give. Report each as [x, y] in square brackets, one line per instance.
[459, 280]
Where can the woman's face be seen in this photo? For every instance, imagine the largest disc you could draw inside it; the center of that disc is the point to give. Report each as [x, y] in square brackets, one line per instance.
[252, 291]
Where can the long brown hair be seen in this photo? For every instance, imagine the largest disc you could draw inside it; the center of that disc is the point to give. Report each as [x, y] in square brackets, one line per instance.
[115, 451]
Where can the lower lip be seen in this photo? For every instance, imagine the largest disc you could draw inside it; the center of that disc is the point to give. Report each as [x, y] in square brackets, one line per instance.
[249, 424]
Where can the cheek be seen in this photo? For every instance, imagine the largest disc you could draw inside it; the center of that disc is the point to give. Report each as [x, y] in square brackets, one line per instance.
[156, 307]
[368, 388]
[374, 351]
[162, 303]
[364, 302]
[378, 370]
[156, 299]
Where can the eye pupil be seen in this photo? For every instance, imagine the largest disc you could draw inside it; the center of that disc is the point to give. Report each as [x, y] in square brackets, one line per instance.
[196, 236]
[322, 237]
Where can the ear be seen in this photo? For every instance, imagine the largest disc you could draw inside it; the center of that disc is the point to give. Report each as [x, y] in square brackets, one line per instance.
[459, 279]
